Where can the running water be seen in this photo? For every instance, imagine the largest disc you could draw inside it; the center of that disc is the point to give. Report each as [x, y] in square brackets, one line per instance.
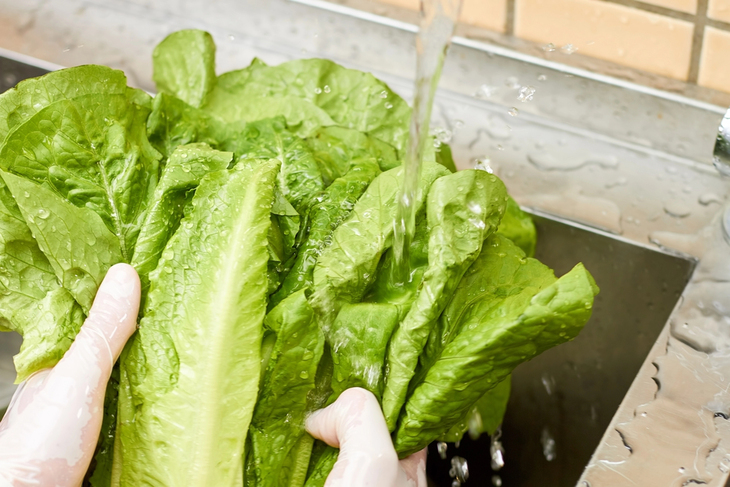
[438, 18]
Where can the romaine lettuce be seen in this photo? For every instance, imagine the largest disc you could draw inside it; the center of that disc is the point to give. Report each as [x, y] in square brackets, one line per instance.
[268, 188]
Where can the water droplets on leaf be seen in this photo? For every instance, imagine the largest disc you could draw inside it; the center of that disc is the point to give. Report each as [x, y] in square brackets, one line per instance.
[318, 90]
[384, 94]
[388, 105]
[43, 213]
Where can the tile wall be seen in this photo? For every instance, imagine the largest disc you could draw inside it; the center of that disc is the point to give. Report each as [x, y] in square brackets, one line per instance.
[682, 40]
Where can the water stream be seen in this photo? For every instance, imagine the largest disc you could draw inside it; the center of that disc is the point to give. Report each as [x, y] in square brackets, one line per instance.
[438, 19]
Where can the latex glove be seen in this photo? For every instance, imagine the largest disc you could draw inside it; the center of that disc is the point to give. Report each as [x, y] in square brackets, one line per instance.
[355, 424]
[50, 432]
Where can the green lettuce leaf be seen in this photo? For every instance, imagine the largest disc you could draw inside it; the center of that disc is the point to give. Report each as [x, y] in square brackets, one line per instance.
[463, 209]
[187, 165]
[346, 268]
[327, 213]
[31, 96]
[189, 379]
[93, 152]
[184, 65]
[507, 309]
[299, 178]
[309, 89]
[277, 427]
[484, 417]
[334, 149]
[78, 245]
[518, 226]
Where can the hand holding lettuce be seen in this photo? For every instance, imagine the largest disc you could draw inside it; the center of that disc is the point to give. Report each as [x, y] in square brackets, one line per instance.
[257, 207]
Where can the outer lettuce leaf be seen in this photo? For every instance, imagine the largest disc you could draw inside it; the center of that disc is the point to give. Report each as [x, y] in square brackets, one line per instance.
[463, 209]
[184, 170]
[518, 226]
[184, 65]
[277, 427]
[93, 152]
[347, 267]
[507, 309]
[351, 98]
[77, 243]
[31, 96]
[327, 213]
[189, 379]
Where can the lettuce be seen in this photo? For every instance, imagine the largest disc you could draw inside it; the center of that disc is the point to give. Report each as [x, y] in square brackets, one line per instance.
[258, 207]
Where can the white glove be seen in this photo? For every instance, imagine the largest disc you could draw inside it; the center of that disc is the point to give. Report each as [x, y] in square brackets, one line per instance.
[50, 431]
[355, 424]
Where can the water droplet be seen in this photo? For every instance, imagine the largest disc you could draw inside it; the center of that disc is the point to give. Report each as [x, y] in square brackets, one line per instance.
[496, 450]
[168, 254]
[496, 481]
[676, 209]
[231, 37]
[327, 89]
[483, 165]
[388, 105]
[569, 49]
[541, 77]
[384, 94]
[318, 90]
[304, 374]
[513, 111]
[709, 198]
[441, 447]
[549, 47]
[461, 468]
[43, 213]
[526, 94]
[548, 445]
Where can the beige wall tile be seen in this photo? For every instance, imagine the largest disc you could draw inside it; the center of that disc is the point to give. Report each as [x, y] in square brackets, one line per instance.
[719, 10]
[714, 68]
[488, 14]
[689, 6]
[608, 31]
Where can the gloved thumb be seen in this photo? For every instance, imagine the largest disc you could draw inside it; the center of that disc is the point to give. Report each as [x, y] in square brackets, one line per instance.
[51, 428]
[355, 424]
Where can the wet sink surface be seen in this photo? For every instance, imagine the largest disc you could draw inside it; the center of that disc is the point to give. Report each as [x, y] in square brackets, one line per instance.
[570, 393]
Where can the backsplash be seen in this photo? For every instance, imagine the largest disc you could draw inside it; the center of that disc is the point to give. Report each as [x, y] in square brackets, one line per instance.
[663, 43]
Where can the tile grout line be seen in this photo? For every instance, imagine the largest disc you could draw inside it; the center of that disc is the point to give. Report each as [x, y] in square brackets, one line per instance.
[509, 28]
[697, 41]
[655, 9]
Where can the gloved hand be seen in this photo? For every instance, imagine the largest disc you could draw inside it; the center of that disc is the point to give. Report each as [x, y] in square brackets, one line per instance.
[50, 431]
[355, 424]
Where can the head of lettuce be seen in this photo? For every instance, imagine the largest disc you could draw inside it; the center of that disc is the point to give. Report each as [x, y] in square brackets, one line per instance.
[258, 207]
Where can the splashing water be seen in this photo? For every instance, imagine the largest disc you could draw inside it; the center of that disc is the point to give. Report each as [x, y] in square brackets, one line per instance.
[438, 19]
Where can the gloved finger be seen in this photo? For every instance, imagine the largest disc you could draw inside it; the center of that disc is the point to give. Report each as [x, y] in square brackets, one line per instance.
[414, 469]
[50, 432]
[111, 321]
[355, 424]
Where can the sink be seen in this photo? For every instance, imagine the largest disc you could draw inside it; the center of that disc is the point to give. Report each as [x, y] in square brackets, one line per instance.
[617, 176]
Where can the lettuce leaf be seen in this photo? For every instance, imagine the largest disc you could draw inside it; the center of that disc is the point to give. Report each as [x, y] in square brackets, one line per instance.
[463, 209]
[184, 65]
[507, 309]
[190, 376]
